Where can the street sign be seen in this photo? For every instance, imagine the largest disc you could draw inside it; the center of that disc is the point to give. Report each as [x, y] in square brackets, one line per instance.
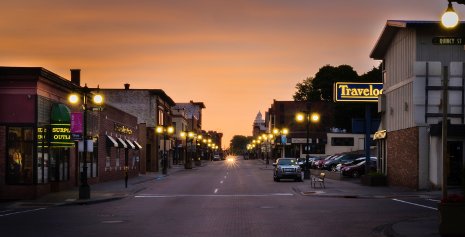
[357, 92]
[448, 40]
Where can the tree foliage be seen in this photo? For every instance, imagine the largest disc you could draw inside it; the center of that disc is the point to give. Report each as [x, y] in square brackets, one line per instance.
[320, 88]
[239, 144]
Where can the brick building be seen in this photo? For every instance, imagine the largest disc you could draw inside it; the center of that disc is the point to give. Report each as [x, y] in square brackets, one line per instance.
[38, 154]
[152, 107]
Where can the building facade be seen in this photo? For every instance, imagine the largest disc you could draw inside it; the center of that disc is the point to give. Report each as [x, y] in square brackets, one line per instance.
[40, 133]
[152, 107]
[409, 140]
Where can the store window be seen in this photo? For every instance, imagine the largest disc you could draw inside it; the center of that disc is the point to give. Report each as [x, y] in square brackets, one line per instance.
[118, 157]
[58, 165]
[20, 150]
[342, 141]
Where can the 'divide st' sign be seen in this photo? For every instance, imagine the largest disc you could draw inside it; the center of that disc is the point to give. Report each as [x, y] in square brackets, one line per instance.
[357, 92]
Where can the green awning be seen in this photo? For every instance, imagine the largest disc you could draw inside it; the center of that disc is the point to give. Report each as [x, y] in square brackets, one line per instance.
[60, 114]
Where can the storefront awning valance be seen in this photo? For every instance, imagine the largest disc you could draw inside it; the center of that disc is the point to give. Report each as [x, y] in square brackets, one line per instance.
[111, 142]
[379, 135]
[60, 114]
[130, 144]
[138, 146]
[121, 143]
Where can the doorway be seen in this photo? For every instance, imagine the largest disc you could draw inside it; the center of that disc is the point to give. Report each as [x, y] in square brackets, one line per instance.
[455, 149]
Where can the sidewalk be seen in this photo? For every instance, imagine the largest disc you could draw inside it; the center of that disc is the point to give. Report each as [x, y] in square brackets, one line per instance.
[100, 192]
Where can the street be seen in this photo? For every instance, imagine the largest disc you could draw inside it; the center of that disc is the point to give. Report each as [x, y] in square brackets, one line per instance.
[219, 199]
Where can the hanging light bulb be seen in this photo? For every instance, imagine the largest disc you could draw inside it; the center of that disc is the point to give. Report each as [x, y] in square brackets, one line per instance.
[449, 19]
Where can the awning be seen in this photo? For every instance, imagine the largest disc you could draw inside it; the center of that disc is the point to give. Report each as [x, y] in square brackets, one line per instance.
[130, 144]
[60, 114]
[122, 143]
[138, 146]
[111, 142]
[379, 135]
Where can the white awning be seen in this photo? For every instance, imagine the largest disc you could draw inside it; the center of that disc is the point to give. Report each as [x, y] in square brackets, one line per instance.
[122, 143]
[130, 144]
[111, 141]
[138, 146]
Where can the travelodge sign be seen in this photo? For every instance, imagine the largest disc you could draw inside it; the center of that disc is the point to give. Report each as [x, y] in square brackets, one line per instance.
[357, 92]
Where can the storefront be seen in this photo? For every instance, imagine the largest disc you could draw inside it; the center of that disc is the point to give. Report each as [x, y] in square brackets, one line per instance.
[40, 150]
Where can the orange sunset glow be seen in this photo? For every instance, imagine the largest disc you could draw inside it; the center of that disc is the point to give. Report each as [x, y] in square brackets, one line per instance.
[235, 56]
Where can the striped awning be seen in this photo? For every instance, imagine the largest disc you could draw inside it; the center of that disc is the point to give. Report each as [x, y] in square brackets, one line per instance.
[138, 146]
[130, 144]
[111, 142]
[122, 143]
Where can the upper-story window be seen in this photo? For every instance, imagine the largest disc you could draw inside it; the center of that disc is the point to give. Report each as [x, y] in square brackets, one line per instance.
[161, 117]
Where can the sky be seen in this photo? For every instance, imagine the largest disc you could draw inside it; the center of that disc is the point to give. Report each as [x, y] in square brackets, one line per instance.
[235, 56]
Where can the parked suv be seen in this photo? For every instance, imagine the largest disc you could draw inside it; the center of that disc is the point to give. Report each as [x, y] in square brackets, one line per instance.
[287, 168]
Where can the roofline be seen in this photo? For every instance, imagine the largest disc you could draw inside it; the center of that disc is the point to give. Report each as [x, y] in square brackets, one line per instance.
[390, 30]
[157, 92]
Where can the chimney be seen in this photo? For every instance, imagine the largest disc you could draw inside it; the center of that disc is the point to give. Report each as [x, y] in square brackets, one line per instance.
[126, 86]
[76, 76]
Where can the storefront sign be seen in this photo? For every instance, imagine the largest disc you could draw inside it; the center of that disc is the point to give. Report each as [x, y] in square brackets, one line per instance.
[122, 129]
[41, 135]
[60, 135]
[357, 92]
[448, 40]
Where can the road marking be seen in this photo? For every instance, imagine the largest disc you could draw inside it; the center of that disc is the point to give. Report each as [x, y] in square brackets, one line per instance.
[216, 190]
[212, 195]
[221, 181]
[224, 177]
[19, 212]
[411, 203]
[433, 200]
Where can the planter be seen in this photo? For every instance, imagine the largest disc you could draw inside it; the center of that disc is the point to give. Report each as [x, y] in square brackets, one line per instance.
[451, 219]
[374, 180]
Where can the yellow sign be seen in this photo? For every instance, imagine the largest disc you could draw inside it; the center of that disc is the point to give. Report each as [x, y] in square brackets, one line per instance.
[357, 92]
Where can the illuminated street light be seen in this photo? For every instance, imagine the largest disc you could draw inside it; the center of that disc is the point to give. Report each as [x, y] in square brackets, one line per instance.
[309, 117]
[97, 99]
[449, 19]
[165, 131]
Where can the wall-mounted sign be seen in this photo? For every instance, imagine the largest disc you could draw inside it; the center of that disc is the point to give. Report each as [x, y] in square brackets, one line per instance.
[447, 40]
[357, 92]
[60, 135]
[122, 129]
[76, 125]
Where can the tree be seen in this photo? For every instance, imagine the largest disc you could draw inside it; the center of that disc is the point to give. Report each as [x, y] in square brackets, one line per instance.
[239, 144]
[320, 88]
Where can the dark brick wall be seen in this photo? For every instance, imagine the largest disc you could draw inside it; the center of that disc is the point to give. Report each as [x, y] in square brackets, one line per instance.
[402, 158]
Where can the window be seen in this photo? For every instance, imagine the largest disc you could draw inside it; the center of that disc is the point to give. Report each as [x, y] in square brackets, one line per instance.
[161, 118]
[342, 141]
[20, 161]
[118, 156]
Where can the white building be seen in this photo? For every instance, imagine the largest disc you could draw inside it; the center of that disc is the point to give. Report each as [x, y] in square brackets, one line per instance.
[409, 140]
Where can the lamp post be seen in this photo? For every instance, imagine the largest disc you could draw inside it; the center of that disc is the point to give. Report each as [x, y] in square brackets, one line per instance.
[308, 116]
[282, 132]
[187, 161]
[165, 131]
[267, 137]
[97, 99]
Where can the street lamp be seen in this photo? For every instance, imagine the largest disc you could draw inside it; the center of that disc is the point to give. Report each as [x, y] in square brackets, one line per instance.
[309, 117]
[165, 131]
[282, 132]
[450, 19]
[97, 99]
[267, 137]
[187, 135]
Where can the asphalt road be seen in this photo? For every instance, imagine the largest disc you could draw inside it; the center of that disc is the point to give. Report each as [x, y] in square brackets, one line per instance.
[220, 199]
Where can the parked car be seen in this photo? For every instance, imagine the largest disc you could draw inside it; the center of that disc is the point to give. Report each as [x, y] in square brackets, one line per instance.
[331, 164]
[216, 158]
[287, 168]
[351, 162]
[320, 163]
[301, 161]
[314, 162]
[358, 169]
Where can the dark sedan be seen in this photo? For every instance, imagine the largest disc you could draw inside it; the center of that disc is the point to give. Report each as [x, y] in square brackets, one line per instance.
[358, 169]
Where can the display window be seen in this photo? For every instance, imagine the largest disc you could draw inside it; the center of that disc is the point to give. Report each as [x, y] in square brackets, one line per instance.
[20, 150]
